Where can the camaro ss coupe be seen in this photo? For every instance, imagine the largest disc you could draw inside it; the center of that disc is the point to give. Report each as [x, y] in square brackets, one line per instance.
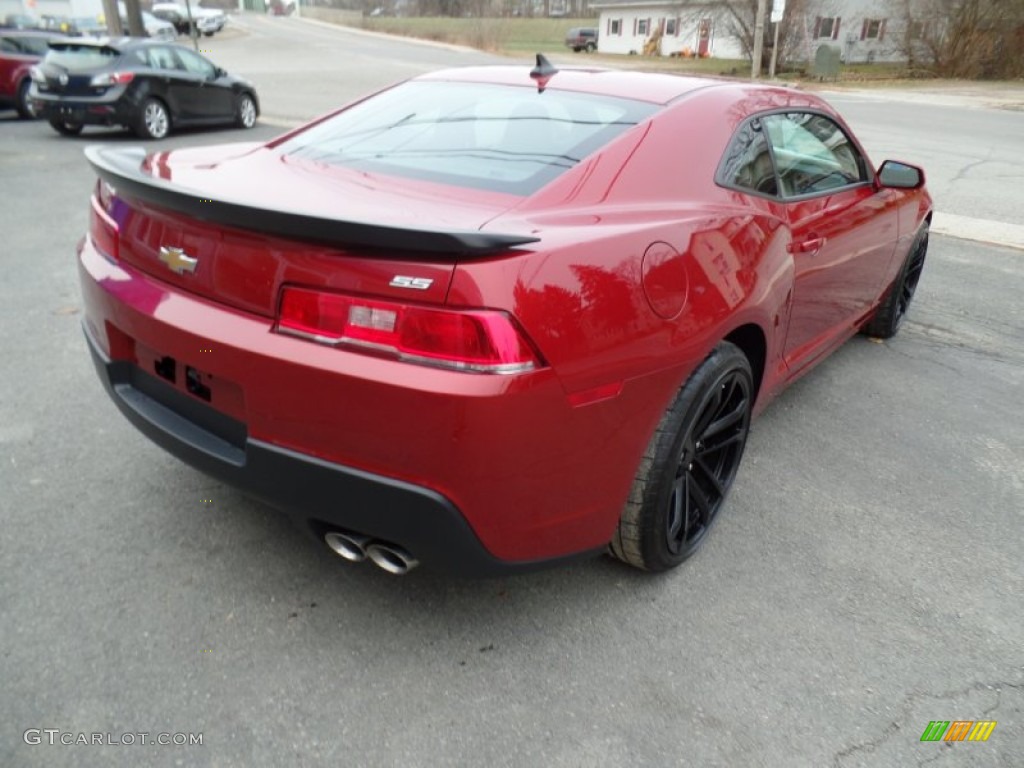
[492, 319]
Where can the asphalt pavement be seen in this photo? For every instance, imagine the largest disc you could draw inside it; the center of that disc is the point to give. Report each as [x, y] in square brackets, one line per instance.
[864, 580]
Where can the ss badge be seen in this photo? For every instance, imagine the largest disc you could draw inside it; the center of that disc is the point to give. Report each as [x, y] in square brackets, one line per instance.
[416, 283]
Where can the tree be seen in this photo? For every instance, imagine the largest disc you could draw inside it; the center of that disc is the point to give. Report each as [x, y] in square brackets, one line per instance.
[740, 18]
[964, 38]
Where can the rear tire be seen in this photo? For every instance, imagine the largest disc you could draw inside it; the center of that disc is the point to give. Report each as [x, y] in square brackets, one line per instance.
[689, 465]
[22, 103]
[65, 128]
[154, 121]
[888, 318]
[245, 111]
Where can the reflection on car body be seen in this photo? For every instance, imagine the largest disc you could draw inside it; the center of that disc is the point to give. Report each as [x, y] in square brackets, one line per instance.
[144, 85]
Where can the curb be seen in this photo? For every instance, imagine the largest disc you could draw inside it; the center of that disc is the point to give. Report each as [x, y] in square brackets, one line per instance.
[979, 230]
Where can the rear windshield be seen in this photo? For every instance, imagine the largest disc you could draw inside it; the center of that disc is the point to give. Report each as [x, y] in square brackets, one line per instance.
[499, 138]
[75, 58]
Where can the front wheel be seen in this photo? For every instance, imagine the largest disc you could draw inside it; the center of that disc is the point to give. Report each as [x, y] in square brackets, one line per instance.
[591, 47]
[66, 128]
[888, 318]
[689, 465]
[245, 111]
[154, 122]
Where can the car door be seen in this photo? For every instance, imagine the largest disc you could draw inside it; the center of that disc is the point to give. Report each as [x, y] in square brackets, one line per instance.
[168, 80]
[843, 230]
[214, 99]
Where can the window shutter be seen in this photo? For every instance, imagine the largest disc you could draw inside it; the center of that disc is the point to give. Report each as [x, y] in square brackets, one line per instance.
[881, 30]
[817, 26]
[634, 26]
[835, 28]
[864, 29]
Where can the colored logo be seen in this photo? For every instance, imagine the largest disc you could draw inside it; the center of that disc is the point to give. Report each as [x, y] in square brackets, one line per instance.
[958, 730]
[178, 261]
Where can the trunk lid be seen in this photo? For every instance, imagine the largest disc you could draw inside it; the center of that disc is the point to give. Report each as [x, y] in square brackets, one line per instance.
[235, 223]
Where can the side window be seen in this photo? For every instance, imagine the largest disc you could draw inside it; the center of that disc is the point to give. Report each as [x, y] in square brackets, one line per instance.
[7, 46]
[159, 57]
[812, 154]
[196, 64]
[748, 162]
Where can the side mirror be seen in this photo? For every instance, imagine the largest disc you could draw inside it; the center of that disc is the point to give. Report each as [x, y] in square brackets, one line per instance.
[900, 175]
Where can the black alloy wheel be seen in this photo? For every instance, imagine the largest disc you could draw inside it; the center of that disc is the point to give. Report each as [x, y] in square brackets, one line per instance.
[708, 462]
[689, 466]
[66, 128]
[889, 316]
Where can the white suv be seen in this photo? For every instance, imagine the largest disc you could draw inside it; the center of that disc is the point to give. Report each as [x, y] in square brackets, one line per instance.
[206, 20]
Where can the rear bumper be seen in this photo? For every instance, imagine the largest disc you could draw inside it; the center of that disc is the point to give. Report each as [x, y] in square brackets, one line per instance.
[119, 111]
[321, 495]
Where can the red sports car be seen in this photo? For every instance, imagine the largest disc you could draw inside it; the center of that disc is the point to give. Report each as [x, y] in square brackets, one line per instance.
[491, 318]
[20, 50]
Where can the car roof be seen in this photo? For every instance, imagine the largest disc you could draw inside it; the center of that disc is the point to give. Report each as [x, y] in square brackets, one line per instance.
[638, 86]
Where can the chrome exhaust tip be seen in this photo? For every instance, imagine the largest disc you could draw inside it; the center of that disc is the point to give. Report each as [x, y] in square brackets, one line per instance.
[391, 558]
[350, 546]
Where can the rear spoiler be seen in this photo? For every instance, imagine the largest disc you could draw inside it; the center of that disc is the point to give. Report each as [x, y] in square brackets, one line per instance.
[122, 169]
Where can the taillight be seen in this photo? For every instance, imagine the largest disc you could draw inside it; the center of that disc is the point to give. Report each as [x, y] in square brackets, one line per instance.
[111, 78]
[479, 340]
[102, 228]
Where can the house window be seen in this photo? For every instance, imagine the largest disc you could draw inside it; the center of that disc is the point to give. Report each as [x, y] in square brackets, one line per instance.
[827, 28]
[614, 26]
[872, 29]
[672, 27]
[643, 26]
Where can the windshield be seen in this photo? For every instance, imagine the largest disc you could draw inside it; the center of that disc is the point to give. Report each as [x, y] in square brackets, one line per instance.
[500, 138]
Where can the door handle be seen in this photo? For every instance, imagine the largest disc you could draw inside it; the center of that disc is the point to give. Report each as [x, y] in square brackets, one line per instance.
[807, 246]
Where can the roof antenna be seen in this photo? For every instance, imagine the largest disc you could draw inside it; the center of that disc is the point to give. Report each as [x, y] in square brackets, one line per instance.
[543, 72]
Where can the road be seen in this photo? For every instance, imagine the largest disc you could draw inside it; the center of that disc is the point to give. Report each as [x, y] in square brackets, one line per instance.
[865, 580]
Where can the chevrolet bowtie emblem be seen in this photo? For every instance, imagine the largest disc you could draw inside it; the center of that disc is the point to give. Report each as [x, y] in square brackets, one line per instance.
[178, 261]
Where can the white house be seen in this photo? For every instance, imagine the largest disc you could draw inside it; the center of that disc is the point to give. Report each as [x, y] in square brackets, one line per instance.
[666, 27]
[862, 30]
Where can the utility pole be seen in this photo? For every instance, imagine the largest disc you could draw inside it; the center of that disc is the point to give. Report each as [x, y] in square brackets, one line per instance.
[778, 11]
[193, 30]
[755, 65]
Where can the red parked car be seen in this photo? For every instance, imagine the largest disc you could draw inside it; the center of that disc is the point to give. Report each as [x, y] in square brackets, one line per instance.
[20, 50]
[490, 322]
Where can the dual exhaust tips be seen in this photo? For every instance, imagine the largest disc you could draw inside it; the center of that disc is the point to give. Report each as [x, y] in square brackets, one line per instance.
[355, 548]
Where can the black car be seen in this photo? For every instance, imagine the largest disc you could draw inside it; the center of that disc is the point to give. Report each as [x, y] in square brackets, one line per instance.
[145, 85]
